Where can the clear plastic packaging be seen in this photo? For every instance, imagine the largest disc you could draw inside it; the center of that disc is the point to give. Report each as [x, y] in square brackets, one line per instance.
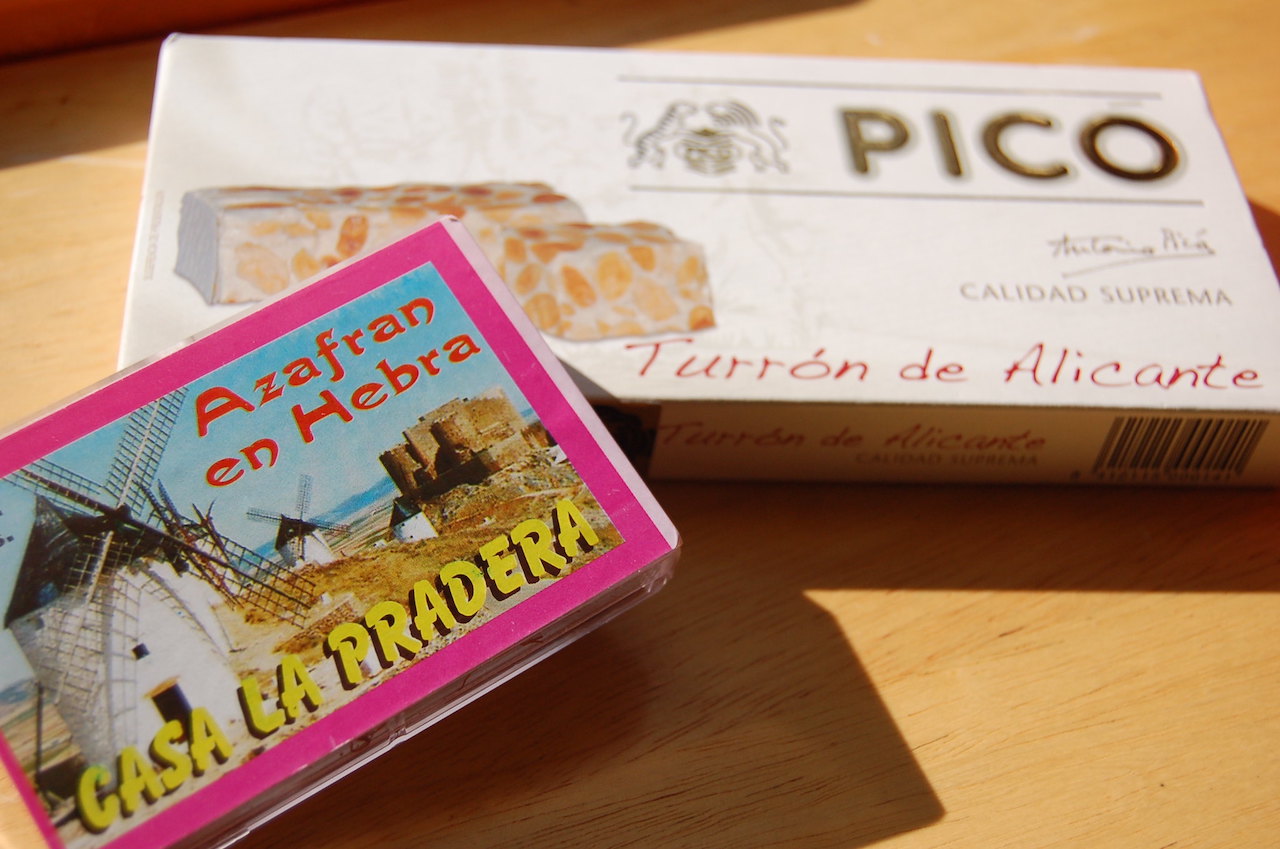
[243, 569]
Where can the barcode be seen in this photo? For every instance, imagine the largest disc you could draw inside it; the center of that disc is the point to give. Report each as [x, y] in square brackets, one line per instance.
[1179, 445]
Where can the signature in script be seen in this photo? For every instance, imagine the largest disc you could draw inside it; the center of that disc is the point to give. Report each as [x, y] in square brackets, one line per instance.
[1101, 251]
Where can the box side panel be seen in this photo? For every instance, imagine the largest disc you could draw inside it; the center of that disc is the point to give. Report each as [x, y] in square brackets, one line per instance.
[965, 444]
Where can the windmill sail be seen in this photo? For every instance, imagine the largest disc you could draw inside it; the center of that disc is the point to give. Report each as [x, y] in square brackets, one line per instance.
[297, 533]
[92, 571]
[90, 533]
[141, 447]
[239, 574]
[260, 583]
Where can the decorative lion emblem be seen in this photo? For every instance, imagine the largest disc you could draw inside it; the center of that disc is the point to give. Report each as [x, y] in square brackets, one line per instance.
[727, 133]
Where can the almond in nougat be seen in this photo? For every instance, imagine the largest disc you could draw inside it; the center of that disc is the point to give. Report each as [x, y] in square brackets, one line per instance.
[584, 281]
[241, 244]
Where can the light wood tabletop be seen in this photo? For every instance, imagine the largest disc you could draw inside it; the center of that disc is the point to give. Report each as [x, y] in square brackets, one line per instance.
[832, 665]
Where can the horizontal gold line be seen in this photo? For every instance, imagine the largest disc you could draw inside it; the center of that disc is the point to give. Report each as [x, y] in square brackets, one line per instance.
[899, 87]
[836, 193]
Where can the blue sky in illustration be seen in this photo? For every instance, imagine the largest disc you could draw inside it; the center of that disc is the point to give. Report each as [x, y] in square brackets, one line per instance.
[343, 458]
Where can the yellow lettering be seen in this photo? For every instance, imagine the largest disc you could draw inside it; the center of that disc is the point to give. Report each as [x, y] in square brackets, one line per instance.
[296, 687]
[501, 567]
[207, 741]
[260, 723]
[429, 610]
[97, 815]
[537, 549]
[464, 583]
[389, 622]
[176, 763]
[349, 642]
[572, 528]
[138, 780]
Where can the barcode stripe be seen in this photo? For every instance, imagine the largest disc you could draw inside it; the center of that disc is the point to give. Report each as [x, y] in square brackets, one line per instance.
[1223, 456]
[1245, 449]
[1179, 444]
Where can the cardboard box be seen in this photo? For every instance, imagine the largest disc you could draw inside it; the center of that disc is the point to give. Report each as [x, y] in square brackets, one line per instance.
[851, 269]
[243, 569]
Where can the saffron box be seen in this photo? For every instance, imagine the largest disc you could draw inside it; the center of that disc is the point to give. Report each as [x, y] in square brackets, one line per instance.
[238, 571]
[766, 267]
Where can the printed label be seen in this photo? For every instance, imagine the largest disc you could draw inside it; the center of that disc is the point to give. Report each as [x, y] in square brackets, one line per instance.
[192, 584]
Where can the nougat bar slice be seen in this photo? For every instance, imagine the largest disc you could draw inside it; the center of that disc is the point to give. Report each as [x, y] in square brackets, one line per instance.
[585, 281]
[243, 243]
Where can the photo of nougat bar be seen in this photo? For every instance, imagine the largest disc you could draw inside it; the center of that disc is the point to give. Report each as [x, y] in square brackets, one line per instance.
[241, 244]
[583, 281]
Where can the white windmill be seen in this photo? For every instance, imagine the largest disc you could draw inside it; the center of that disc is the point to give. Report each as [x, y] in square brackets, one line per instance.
[408, 522]
[114, 605]
[298, 537]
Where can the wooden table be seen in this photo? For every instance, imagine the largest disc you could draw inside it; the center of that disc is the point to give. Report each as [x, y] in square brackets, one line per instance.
[833, 666]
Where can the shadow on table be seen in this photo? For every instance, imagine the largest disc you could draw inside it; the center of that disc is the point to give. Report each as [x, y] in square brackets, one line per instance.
[1268, 221]
[730, 711]
[101, 98]
[726, 711]
[1025, 537]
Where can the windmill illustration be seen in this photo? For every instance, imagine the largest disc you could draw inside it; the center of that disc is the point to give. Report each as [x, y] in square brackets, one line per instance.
[298, 538]
[116, 601]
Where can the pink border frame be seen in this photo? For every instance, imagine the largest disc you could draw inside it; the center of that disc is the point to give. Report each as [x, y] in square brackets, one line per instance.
[646, 532]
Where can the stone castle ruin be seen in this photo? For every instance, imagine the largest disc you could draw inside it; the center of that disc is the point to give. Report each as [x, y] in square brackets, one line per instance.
[464, 441]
